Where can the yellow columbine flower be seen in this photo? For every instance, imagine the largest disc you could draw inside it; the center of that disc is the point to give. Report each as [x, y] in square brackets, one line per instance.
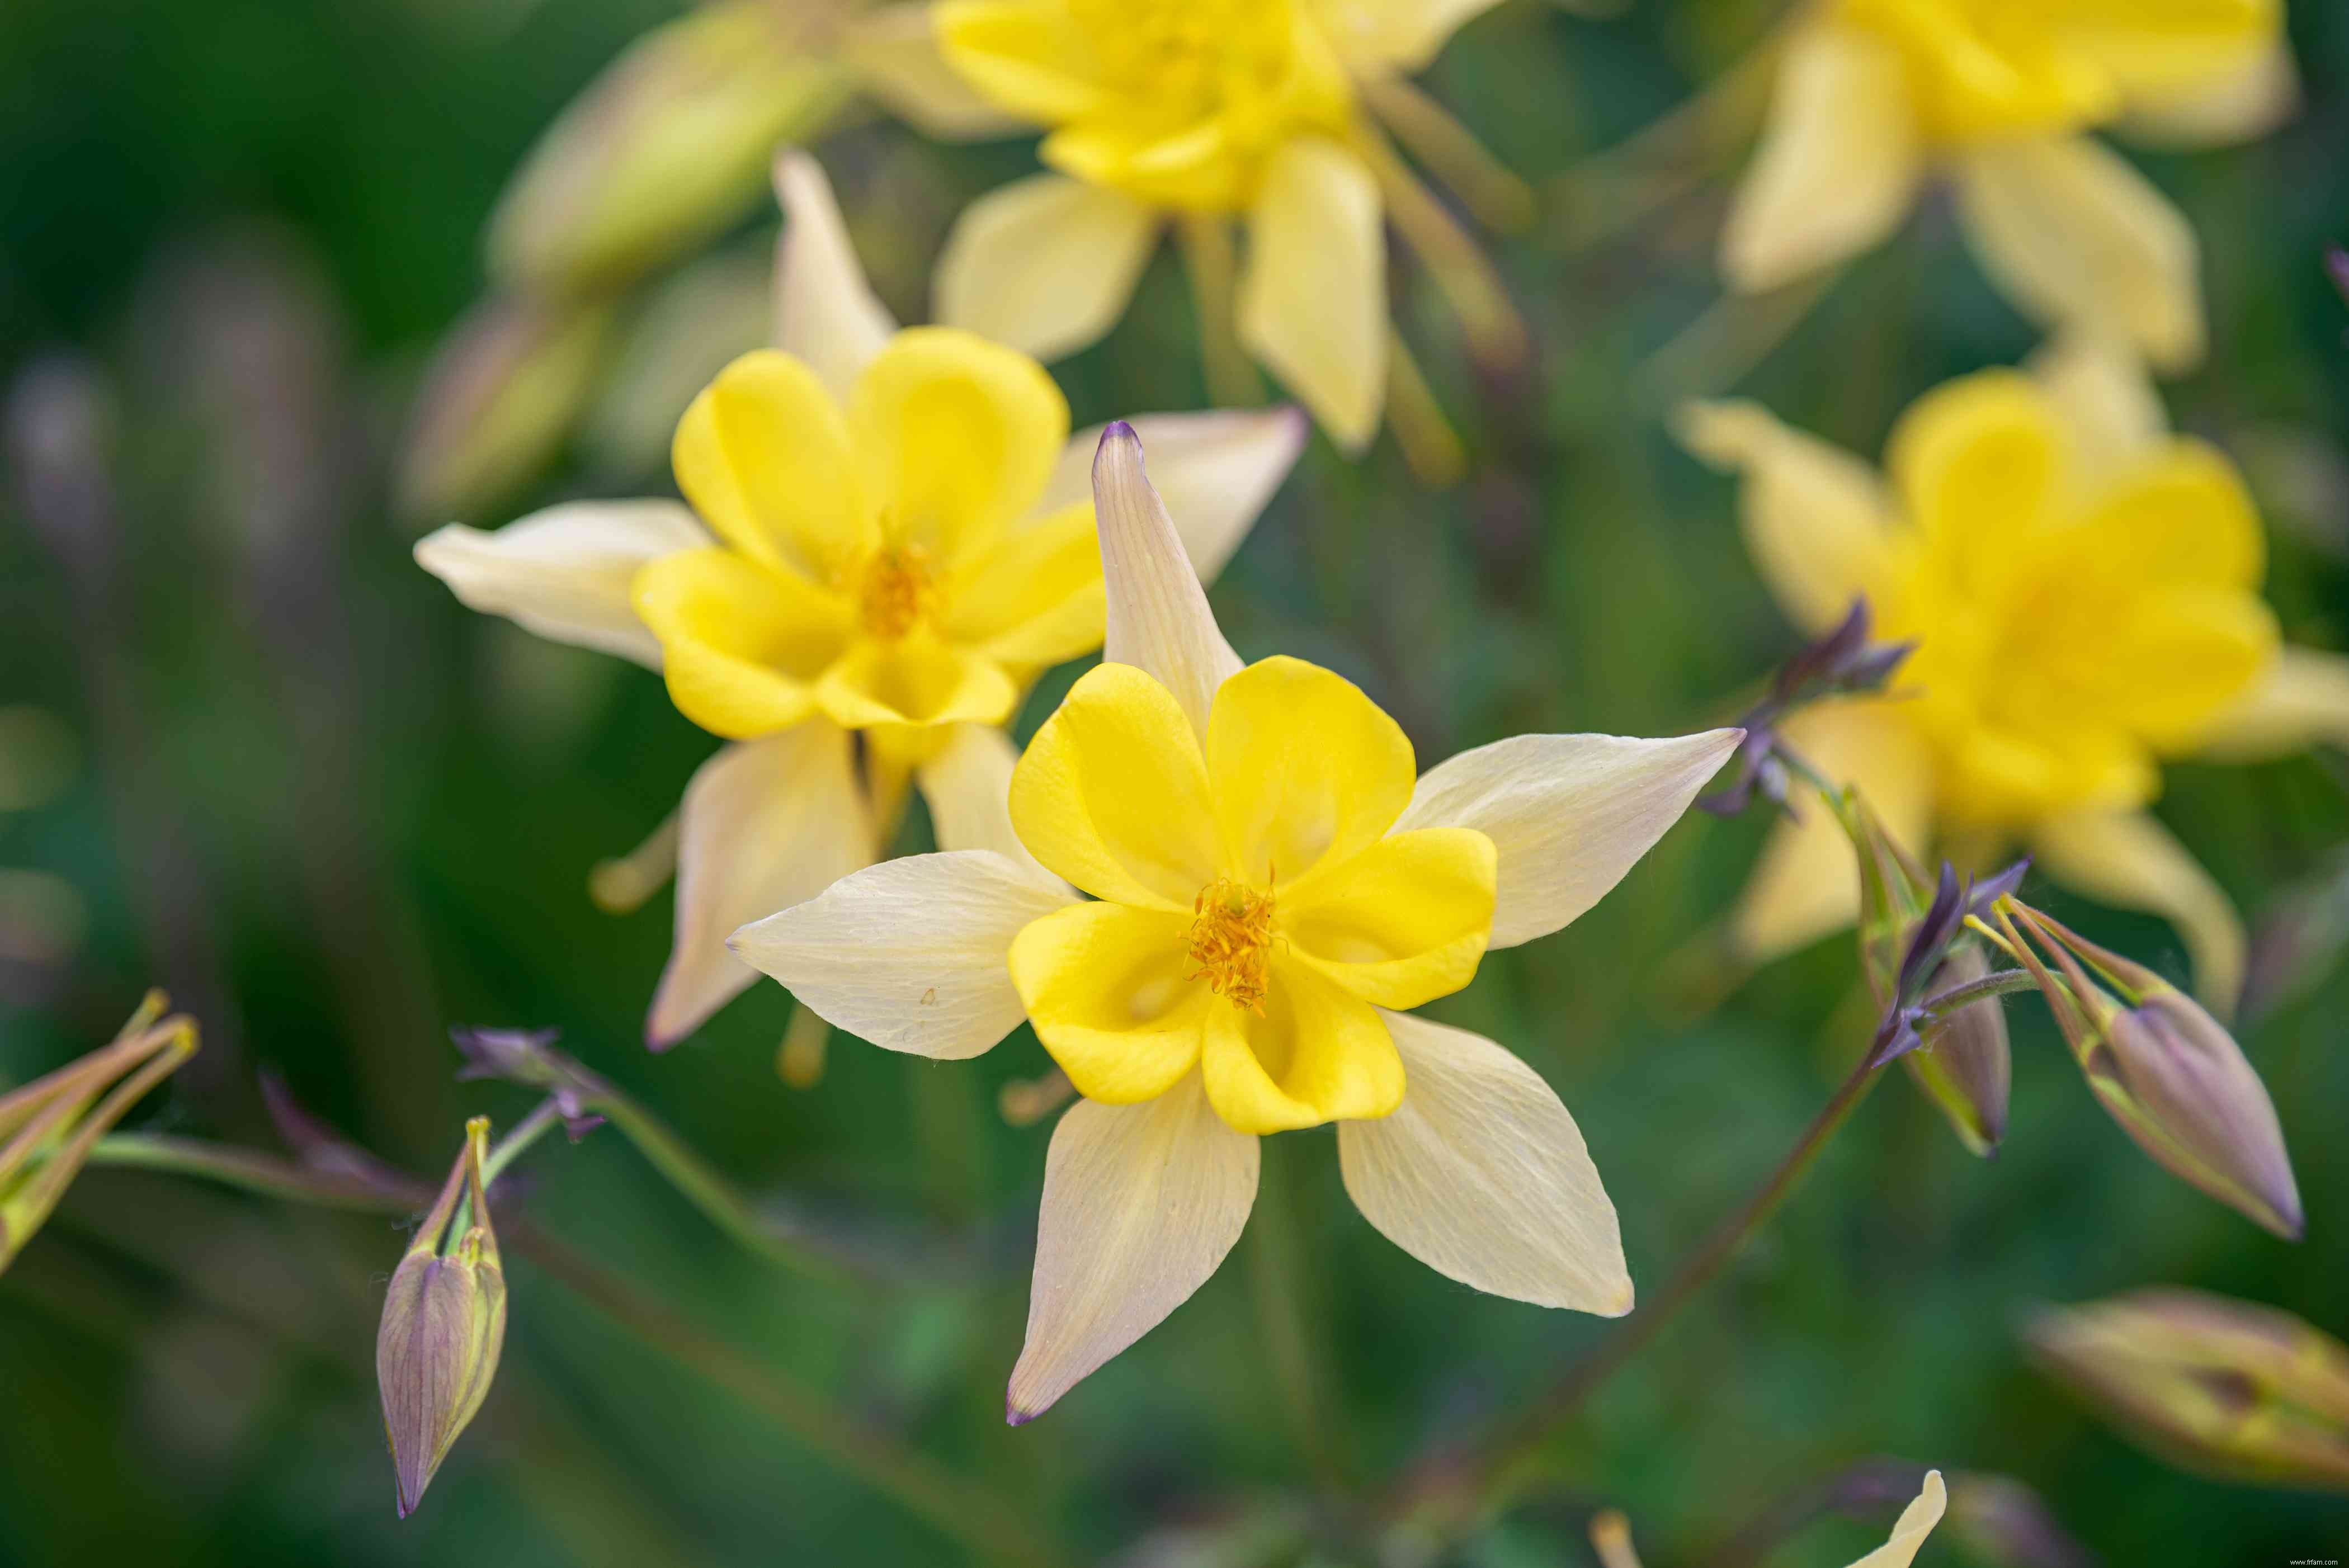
[1205, 111]
[890, 534]
[1875, 95]
[2083, 590]
[1611, 1536]
[1274, 881]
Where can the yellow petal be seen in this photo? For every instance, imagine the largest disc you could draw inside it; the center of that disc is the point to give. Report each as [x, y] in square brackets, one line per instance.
[1214, 471]
[1304, 769]
[2075, 236]
[1157, 618]
[1481, 1175]
[1313, 303]
[762, 826]
[1909, 1531]
[909, 954]
[2158, 50]
[1140, 1203]
[2181, 515]
[1028, 57]
[956, 437]
[763, 455]
[1105, 986]
[895, 51]
[917, 681]
[1314, 1055]
[825, 313]
[1113, 793]
[1403, 34]
[2106, 401]
[1816, 517]
[2129, 860]
[1980, 462]
[1044, 265]
[1402, 923]
[744, 644]
[564, 573]
[1806, 884]
[2242, 102]
[2301, 700]
[1035, 598]
[1838, 163]
[1198, 167]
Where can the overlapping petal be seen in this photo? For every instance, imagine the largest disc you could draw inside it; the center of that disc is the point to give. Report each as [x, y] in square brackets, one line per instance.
[916, 680]
[1315, 1054]
[1305, 769]
[1034, 597]
[909, 954]
[763, 456]
[1157, 615]
[1402, 923]
[745, 643]
[1108, 989]
[1213, 472]
[762, 825]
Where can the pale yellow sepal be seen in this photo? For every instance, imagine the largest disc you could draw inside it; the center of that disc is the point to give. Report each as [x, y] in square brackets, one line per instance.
[564, 573]
[1312, 303]
[1045, 264]
[826, 315]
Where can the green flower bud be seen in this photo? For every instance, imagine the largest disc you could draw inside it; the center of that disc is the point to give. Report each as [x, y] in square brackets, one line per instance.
[669, 147]
[444, 1322]
[2172, 1076]
[2223, 1387]
[51, 1124]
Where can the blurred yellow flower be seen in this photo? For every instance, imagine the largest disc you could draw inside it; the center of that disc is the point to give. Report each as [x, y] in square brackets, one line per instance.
[1875, 95]
[2083, 590]
[1207, 110]
[889, 535]
[1275, 880]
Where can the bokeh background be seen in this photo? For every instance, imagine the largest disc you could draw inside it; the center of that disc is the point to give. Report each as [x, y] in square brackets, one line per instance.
[253, 753]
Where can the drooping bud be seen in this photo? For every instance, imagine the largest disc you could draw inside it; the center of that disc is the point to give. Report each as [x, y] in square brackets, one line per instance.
[496, 402]
[667, 148]
[444, 1323]
[51, 1124]
[2170, 1075]
[2212, 1384]
[1963, 1065]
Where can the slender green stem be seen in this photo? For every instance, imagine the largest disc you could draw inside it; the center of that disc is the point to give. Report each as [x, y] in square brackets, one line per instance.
[1281, 1322]
[1500, 1468]
[2006, 982]
[252, 1172]
[526, 1133]
[955, 1506]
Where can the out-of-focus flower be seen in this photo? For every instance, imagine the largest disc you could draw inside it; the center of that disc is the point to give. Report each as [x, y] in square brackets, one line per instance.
[1210, 113]
[444, 1323]
[2084, 589]
[2218, 1386]
[528, 1057]
[2006, 1525]
[1874, 97]
[1610, 1533]
[49, 1125]
[893, 535]
[2176, 1081]
[1274, 881]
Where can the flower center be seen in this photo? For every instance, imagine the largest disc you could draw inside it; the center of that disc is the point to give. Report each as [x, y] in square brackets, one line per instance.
[1191, 59]
[1231, 941]
[897, 591]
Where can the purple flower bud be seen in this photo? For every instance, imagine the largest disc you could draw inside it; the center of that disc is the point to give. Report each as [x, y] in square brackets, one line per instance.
[1963, 1064]
[444, 1323]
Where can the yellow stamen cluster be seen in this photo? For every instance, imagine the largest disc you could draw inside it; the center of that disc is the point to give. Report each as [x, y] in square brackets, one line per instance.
[1231, 941]
[897, 591]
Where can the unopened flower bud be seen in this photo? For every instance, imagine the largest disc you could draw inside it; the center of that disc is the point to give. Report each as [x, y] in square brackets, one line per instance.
[51, 1124]
[667, 148]
[496, 402]
[2223, 1387]
[1963, 1065]
[444, 1322]
[2172, 1076]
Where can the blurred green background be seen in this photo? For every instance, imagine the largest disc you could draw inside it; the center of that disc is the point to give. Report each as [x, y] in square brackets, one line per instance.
[333, 812]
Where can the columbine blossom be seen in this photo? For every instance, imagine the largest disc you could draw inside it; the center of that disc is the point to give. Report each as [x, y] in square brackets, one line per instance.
[1203, 112]
[2083, 587]
[1874, 97]
[1273, 882]
[888, 535]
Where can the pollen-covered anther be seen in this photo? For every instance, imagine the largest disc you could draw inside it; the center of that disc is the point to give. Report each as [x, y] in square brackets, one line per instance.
[897, 591]
[1231, 941]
